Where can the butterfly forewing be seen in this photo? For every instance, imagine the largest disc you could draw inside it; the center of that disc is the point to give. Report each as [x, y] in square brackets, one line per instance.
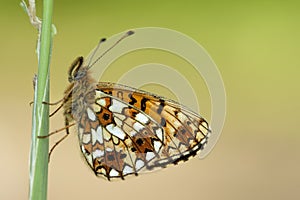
[126, 131]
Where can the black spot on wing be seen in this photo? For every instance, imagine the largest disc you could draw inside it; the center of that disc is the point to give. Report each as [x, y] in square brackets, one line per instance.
[132, 99]
[143, 103]
[161, 106]
[163, 122]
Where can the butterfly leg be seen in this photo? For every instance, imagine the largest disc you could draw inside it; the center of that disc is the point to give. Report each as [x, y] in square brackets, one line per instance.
[64, 137]
[52, 104]
[62, 101]
[56, 110]
[60, 140]
[58, 130]
[55, 145]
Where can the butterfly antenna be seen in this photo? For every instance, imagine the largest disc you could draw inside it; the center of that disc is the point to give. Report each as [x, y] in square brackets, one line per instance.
[94, 52]
[105, 52]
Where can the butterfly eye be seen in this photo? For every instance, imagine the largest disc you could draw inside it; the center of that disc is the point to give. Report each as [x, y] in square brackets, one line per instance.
[79, 74]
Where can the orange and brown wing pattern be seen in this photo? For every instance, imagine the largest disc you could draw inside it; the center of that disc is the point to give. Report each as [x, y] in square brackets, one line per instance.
[128, 131]
[116, 139]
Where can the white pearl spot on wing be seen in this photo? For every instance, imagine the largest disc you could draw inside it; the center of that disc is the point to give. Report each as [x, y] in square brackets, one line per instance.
[113, 173]
[149, 155]
[97, 135]
[203, 141]
[117, 106]
[162, 162]
[186, 153]
[157, 145]
[116, 131]
[139, 164]
[175, 157]
[127, 170]
[101, 102]
[91, 114]
[142, 118]
[86, 138]
[159, 134]
[138, 126]
[195, 148]
[108, 149]
[98, 153]
[132, 133]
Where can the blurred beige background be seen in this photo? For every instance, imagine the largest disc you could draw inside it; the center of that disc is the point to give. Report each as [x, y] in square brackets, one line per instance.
[255, 44]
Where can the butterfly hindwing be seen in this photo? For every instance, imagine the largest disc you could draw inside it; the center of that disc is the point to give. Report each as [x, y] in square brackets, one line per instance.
[122, 142]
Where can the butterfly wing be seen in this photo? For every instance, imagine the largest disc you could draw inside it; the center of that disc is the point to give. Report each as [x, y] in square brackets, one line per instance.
[127, 131]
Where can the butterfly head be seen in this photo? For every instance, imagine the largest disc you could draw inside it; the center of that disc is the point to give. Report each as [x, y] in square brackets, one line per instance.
[77, 71]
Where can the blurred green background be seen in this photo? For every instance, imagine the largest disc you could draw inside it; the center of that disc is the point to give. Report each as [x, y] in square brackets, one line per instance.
[255, 44]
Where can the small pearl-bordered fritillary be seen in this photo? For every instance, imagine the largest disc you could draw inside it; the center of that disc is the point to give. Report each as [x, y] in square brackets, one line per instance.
[123, 131]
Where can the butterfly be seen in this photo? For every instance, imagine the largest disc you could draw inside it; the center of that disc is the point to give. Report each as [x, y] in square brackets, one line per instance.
[123, 131]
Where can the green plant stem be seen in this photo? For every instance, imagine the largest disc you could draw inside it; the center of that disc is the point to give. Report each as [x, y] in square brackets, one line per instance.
[40, 117]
